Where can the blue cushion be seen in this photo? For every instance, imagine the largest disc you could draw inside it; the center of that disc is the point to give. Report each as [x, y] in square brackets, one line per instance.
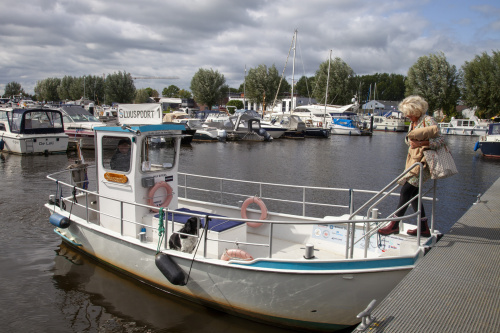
[217, 225]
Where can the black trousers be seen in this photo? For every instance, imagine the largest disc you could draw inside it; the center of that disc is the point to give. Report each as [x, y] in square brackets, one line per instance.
[408, 191]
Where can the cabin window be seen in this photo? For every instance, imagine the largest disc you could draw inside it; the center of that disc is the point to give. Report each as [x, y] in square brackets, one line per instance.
[2, 127]
[158, 153]
[116, 153]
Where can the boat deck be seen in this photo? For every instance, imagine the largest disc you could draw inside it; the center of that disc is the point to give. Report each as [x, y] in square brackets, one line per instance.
[456, 286]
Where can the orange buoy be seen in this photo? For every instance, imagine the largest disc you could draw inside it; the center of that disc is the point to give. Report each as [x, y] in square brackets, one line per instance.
[235, 254]
[152, 192]
[263, 210]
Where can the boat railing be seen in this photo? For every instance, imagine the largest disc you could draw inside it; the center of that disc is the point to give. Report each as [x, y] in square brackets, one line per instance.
[370, 219]
[372, 211]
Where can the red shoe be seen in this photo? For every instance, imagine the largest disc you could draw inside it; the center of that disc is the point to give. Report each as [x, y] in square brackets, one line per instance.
[391, 228]
[424, 229]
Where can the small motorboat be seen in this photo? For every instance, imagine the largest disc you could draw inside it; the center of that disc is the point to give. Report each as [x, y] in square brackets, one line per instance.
[79, 125]
[472, 126]
[288, 255]
[32, 131]
[490, 143]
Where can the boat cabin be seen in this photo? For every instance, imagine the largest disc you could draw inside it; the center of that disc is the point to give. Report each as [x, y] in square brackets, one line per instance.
[32, 131]
[137, 162]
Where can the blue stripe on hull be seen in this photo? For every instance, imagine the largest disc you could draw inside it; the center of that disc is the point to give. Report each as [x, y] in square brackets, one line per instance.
[334, 266]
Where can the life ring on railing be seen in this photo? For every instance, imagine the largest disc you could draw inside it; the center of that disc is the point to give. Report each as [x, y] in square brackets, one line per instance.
[152, 192]
[235, 254]
[263, 210]
[320, 124]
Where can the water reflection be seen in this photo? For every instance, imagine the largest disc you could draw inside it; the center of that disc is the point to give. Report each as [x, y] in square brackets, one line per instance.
[99, 299]
[66, 292]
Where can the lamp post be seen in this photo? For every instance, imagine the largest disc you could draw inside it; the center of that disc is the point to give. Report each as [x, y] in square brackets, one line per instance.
[84, 87]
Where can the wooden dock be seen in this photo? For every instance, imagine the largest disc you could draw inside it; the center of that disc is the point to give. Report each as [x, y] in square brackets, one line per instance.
[456, 286]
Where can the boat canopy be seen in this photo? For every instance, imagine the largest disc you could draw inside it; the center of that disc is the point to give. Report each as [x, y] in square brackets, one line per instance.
[344, 122]
[78, 113]
[494, 129]
[35, 121]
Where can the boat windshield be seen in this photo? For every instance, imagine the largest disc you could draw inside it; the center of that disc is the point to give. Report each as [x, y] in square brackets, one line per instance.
[158, 153]
[37, 122]
[494, 129]
[116, 153]
[77, 114]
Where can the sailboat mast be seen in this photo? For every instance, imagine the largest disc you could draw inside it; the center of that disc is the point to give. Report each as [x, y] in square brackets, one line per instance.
[326, 93]
[245, 87]
[292, 107]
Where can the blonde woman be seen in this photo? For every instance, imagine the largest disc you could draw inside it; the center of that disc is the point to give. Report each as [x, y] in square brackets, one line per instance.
[414, 107]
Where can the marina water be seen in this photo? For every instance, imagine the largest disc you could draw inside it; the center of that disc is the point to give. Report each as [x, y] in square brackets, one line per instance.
[47, 287]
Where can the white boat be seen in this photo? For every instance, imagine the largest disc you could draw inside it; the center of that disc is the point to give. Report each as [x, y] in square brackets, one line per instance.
[32, 131]
[388, 124]
[314, 114]
[275, 129]
[345, 123]
[203, 132]
[292, 126]
[340, 119]
[281, 266]
[490, 143]
[471, 126]
[79, 124]
[243, 125]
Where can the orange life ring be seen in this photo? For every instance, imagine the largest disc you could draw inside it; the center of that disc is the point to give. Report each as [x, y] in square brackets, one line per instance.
[235, 254]
[152, 192]
[320, 124]
[263, 210]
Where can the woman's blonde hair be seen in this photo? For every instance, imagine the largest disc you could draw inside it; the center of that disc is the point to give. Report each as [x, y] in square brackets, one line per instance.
[413, 106]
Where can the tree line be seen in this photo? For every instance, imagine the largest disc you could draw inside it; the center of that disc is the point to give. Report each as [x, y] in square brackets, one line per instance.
[476, 84]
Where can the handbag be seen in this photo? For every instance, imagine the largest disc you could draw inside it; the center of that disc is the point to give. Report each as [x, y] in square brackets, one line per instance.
[440, 162]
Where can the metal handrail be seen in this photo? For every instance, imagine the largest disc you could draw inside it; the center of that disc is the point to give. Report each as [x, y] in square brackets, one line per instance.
[351, 224]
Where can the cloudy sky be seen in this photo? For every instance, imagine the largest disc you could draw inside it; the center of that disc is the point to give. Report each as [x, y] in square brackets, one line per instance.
[54, 38]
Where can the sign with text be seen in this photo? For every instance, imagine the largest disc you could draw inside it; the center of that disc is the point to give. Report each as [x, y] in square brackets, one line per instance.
[140, 114]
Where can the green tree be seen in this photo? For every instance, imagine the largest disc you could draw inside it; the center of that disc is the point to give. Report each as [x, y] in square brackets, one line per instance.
[46, 90]
[141, 96]
[13, 88]
[64, 88]
[434, 79]
[304, 86]
[94, 88]
[384, 87]
[76, 88]
[119, 87]
[236, 103]
[341, 87]
[206, 86]
[152, 92]
[185, 94]
[480, 84]
[262, 81]
[170, 91]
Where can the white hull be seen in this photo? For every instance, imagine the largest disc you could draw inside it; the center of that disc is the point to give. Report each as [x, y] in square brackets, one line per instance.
[388, 125]
[467, 127]
[463, 131]
[324, 299]
[309, 272]
[339, 130]
[28, 144]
